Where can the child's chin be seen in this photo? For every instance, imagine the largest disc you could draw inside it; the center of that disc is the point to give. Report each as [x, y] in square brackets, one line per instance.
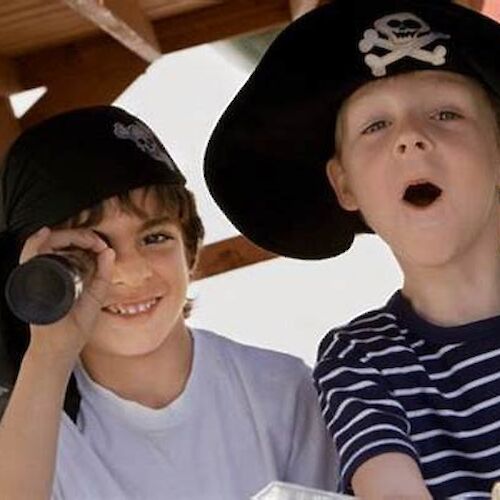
[134, 347]
[428, 252]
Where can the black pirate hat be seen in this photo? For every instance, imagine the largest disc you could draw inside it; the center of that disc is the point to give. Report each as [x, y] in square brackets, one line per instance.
[265, 162]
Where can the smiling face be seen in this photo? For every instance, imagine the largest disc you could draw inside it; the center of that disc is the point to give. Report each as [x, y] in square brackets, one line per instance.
[418, 155]
[150, 279]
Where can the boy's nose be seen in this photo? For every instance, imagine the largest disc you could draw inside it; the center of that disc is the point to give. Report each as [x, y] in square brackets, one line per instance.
[412, 140]
[131, 270]
[404, 146]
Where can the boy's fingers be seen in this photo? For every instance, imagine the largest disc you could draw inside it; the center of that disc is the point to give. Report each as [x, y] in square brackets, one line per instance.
[34, 242]
[84, 239]
[97, 289]
[61, 240]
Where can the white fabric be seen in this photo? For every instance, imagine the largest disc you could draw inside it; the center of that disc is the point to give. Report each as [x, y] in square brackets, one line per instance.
[246, 417]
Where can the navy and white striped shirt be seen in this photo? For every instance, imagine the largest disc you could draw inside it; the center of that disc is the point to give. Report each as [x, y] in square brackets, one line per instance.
[391, 382]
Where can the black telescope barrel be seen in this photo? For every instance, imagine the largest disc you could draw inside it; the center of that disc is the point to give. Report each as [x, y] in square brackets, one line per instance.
[43, 289]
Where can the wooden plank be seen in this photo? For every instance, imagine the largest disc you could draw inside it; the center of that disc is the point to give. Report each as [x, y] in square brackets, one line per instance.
[32, 25]
[216, 22]
[98, 69]
[230, 254]
[157, 9]
[300, 7]
[94, 71]
[9, 125]
[123, 20]
[9, 79]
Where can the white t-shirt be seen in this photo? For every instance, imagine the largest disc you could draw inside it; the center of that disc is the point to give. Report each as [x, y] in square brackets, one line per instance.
[247, 416]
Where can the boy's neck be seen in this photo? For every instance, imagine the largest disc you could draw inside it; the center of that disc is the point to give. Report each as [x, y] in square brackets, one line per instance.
[455, 295]
[153, 380]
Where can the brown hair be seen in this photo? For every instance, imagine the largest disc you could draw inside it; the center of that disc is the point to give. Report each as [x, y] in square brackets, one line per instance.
[174, 200]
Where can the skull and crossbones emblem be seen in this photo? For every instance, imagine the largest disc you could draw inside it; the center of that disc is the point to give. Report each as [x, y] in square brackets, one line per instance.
[403, 35]
[145, 140]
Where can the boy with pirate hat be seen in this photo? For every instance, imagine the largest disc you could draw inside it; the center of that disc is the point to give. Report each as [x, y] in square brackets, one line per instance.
[153, 409]
[384, 117]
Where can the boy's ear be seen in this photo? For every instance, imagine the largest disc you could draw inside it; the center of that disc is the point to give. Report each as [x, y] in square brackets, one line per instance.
[340, 184]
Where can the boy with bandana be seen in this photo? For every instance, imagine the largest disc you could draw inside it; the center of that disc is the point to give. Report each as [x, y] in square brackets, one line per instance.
[383, 117]
[153, 409]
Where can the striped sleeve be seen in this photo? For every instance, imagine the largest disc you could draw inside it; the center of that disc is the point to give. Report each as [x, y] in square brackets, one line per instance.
[360, 413]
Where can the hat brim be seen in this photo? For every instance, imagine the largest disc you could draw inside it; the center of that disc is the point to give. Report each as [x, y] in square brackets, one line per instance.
[265, 163]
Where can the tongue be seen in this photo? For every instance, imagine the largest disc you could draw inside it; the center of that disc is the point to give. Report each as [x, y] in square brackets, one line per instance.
[422, 195]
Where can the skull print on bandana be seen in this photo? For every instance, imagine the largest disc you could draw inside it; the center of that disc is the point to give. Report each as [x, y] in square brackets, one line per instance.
[145, 140]
[402, 35]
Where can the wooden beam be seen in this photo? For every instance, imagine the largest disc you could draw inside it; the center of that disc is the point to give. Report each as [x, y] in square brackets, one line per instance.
[216, 22]
[93, 71]
[125, 21]
[228, 255]
[300, 7]
[97, 70]
[9, 78]
[9, 125]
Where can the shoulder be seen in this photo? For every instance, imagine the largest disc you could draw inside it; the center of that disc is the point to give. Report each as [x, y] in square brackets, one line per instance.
[255, 362]
[363, 329]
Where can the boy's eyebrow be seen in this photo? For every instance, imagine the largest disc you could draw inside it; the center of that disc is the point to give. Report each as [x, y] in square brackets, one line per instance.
[148, 224]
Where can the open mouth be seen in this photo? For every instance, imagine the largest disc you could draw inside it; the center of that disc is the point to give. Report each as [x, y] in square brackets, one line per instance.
[422, 194]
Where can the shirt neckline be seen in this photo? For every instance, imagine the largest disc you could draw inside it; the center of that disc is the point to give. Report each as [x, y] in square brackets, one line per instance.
[401, 307]
[135, 414]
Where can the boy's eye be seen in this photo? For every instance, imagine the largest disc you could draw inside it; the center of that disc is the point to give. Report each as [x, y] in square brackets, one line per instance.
[374, 127]
[156, 238]
[446, 115]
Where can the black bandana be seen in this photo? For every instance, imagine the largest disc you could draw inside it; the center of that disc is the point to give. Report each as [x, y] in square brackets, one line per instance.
[60, 167]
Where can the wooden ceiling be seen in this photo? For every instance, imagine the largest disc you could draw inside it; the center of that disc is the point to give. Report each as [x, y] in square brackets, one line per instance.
[49, 23]
[87, 52]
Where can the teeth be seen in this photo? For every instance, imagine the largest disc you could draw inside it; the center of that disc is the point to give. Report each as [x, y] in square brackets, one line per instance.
[130, 310]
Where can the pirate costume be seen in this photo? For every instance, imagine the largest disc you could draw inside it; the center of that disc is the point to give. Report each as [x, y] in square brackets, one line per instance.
[228, 434]
[389, 381]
